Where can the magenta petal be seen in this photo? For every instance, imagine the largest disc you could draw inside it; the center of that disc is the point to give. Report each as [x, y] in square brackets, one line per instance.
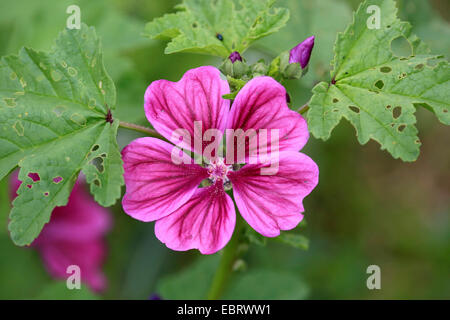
[261, 104]
[196, 97]
[270, 203]
[206, 222]
[156, 186]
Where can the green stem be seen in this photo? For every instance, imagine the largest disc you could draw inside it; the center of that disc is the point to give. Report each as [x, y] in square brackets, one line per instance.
[224, 270]
[141, 129]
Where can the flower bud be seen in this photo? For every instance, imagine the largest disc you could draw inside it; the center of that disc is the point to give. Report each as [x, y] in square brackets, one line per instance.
[235, 56]
[292, 71]
[302, 52]
[227, 67]
[239, 69]
[234, 66]
[259, 69]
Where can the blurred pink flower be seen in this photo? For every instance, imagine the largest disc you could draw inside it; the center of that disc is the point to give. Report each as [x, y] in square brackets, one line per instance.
[74, 236]
[188, 217]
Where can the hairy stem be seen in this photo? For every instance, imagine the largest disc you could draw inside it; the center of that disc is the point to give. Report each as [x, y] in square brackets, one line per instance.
[225, 268]
[148, 131]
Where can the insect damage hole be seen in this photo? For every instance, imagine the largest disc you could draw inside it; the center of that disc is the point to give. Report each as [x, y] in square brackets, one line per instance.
[402, 76]
[98, 164]
[57, 179]
[401, 47]
[401, 127]
[385, 69]
[397, 112]
[379, 84]
[34, 176]
[354, 109]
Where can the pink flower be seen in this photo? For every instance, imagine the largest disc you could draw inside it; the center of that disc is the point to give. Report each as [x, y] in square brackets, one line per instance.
[302, 52]
[189, 217]
[74, 236]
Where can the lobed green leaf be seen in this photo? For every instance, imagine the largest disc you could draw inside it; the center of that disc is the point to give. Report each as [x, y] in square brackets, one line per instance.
[378, 89]
[197, 24]
[53, 111]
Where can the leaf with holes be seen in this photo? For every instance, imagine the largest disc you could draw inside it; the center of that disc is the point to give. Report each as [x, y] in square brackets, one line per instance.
[217, 27]
[55, 121]
[376, 88]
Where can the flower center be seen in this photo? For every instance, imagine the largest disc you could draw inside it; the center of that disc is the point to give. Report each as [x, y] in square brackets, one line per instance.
[218, 170]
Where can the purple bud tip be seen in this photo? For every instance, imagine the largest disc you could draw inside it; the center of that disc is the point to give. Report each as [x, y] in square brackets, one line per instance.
[235, 56]
[302, 52]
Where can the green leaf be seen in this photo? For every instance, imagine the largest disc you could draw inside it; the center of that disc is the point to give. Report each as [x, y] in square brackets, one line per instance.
[378, 90]
[267, 285]
[197, 277]
[194, 28]
[36, 24]
[293, 239]
[53, 109]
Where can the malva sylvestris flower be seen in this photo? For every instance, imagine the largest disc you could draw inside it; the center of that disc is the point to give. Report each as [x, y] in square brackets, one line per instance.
[302, 52]
[74, 236]
[191, 217]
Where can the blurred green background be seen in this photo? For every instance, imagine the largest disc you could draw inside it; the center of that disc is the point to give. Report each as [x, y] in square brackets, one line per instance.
[368, 208]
